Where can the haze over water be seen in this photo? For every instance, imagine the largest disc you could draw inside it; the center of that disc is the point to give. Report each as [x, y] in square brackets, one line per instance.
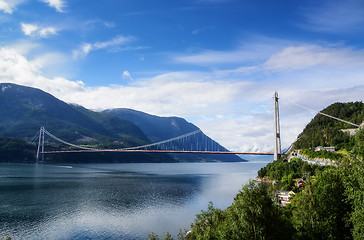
[113, 201]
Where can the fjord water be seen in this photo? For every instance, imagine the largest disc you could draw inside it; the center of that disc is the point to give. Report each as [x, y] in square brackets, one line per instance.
[113, 201]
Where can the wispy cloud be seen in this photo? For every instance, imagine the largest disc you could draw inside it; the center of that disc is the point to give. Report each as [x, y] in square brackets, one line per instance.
[34, 30]
[306, 56]
[234, 110]
[113, 44]
[212, 1]
[202, 29]
[212, 57]
[92, 23]
[8, 6]
[117, 41]
[251, 51]
[275, 56]
[18, 69]
[334, 16]
[59, 5]
[127, 75]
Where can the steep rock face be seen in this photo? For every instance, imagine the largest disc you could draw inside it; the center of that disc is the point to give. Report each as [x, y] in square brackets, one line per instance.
[162, 128]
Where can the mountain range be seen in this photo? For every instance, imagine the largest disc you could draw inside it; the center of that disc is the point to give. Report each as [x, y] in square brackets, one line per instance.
[23, 110]
[161, 128]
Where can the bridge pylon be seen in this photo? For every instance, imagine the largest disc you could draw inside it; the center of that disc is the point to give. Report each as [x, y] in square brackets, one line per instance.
[277, 131]
[41, 144]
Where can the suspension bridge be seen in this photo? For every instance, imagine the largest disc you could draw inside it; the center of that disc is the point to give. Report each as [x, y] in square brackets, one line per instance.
[193, 142]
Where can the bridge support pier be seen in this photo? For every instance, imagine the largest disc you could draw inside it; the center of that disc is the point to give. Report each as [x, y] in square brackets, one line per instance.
[277, 131]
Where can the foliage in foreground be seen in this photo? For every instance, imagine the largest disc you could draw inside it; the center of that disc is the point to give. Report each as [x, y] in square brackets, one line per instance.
[331, 206]
[253, 215]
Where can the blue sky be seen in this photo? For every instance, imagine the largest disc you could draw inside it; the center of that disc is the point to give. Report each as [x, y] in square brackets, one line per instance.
[214, 62]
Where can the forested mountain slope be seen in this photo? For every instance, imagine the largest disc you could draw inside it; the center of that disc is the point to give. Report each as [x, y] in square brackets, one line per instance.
[24, 110]
[158, 129]
[325, 131]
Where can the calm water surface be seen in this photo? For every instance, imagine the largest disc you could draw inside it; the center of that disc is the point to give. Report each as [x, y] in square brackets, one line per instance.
[113, 201]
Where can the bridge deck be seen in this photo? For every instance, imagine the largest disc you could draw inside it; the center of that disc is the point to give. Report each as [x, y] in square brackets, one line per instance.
[155, 151]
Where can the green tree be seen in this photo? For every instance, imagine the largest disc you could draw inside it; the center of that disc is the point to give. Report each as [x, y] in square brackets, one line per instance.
[254, 215]
[321, 211]
[359, 144]
[304, 212]
[354, 185]
[208, 224]
[357, 196]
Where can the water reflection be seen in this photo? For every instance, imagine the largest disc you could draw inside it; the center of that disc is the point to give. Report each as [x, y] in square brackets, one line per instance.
[112, 201]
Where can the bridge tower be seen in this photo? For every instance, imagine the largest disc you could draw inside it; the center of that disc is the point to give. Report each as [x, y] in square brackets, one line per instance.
[277, 131]
[41, 144]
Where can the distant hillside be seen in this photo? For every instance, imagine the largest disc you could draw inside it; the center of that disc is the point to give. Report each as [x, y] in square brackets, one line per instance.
[16, 150]
[161, 128]
[325, 131]
[23, 110]
[154, 127]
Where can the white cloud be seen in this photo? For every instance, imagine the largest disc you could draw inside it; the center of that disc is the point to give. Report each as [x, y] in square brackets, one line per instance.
[83, 51]
[212, 1]
[45, 32]
[115, 43]
[240, 70]
[199, 30]
[275, 55]
[28, 29]
[252, 51]
[37, 31]
[16, 68]
[25, 46]
[49, 59]
[237, 112]
[92, 23]
[334, 16]
[8, 6]
[213, 57]
[306, 56]
[127, 75]
[50, 62]
[59, 5]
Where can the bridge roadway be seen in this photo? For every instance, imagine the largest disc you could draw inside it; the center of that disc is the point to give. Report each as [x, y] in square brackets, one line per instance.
[154, 151]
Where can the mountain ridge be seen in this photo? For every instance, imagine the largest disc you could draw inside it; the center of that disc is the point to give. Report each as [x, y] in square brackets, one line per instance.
[158, 129]
[24, 110]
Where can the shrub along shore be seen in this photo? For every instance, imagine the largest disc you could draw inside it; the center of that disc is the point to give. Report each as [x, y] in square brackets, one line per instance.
[328, 205]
